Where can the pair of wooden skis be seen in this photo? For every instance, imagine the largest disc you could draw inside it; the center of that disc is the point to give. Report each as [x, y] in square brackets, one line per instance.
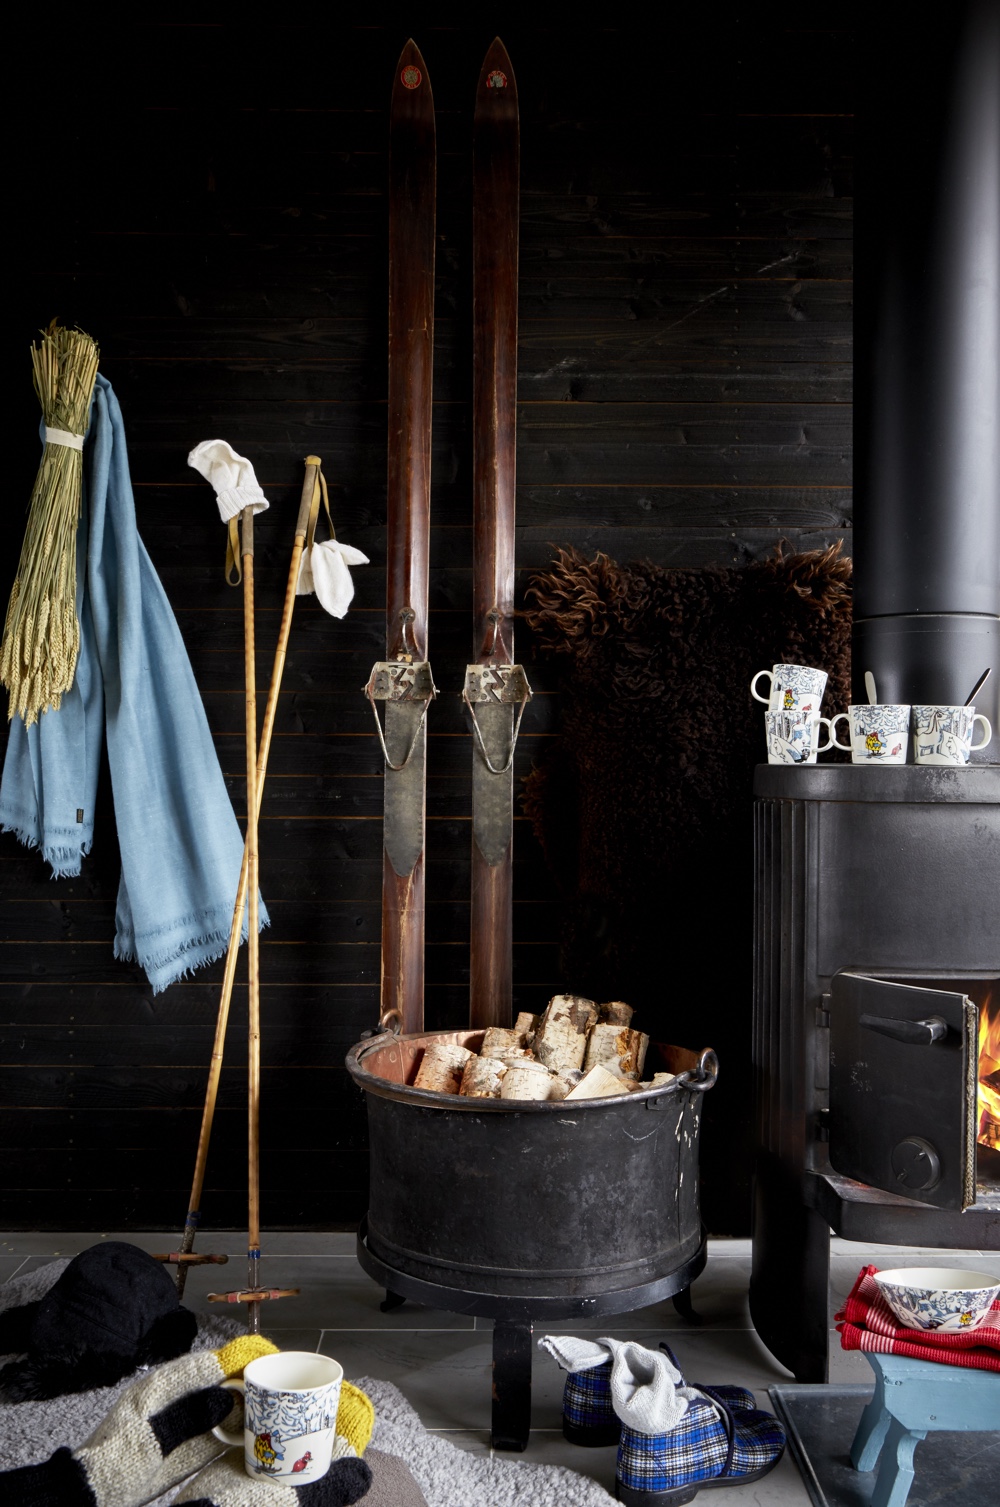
[496, 689]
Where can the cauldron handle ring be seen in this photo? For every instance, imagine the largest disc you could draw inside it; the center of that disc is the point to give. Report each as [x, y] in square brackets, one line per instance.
[704, 1076]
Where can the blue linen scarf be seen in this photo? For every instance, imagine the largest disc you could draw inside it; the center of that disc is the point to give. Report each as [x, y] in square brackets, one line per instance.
[181, 846]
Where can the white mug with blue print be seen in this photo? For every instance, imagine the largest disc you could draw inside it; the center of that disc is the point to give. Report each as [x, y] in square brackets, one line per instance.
[794, 688]
[794, 737]
[943, 734]
[880, 733]
[290, 1416]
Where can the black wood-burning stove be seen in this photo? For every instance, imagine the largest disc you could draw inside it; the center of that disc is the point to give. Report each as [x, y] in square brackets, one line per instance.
[877, 898]
[877, 931]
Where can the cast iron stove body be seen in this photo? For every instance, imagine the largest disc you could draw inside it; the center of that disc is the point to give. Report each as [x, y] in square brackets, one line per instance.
[877, 943]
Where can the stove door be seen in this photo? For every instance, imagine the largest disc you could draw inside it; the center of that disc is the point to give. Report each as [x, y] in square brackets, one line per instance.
[903, 1089]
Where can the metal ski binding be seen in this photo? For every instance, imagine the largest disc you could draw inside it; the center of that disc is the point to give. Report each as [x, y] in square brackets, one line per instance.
[400, 680]
[496, 685]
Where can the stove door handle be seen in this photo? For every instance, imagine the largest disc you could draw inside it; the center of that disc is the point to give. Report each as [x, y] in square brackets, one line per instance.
[919, 1033]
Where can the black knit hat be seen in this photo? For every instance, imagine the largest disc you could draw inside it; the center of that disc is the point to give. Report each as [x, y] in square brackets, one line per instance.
[113, 1309]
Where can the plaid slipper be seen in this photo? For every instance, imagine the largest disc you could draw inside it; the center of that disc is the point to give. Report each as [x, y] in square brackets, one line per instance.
[588, 1416]
[711, 1446]
[590, 1419]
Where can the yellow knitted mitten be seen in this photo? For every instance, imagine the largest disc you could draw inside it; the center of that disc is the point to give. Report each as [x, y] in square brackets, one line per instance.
[355, 1417]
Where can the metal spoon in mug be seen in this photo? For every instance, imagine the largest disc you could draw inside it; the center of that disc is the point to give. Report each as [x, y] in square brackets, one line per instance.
[870, 687]
[977, 687]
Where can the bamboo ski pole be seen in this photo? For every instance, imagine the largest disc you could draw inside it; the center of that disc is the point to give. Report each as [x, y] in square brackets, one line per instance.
[308, 510]
[253, 947]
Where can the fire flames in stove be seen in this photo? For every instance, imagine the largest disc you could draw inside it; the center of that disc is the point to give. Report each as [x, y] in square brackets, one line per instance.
[989, 1074]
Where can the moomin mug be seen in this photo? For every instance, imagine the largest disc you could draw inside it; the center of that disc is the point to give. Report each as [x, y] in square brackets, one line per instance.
[793, 737]
[943, 734]
[879, 733]
[290, 1416]
[794, 688]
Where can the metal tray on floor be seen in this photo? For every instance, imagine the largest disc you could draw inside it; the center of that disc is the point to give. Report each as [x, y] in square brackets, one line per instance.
[952, 1470]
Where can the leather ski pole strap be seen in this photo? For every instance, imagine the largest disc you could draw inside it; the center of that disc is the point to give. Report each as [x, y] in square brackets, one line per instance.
[234, 557]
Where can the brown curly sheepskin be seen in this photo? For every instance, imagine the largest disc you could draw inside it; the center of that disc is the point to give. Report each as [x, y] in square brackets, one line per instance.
[644, 804]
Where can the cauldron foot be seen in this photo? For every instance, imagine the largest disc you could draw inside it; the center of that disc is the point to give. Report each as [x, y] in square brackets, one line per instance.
[511, 1421]
[390, 1301]
[682, 1305]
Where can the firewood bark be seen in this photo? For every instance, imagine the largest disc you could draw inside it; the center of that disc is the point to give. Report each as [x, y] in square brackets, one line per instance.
[563, 1083]
[561, 1038]
[526, 1024]
[615, 1012]
[482, 1077]
[526, 1080]
[500, 1039]
[619, 1049]
[441, 1067]
[598, 1084]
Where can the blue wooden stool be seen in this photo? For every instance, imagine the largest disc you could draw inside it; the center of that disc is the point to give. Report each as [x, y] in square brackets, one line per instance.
[913, 1397]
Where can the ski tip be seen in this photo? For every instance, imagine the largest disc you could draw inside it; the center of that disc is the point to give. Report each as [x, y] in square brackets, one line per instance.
[496, 79]
[411, 80]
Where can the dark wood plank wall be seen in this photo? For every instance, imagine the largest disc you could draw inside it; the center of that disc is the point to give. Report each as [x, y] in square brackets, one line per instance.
[684, 393]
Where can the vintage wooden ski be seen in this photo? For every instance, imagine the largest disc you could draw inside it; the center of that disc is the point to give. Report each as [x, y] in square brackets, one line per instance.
[403, 680]
[496, 689]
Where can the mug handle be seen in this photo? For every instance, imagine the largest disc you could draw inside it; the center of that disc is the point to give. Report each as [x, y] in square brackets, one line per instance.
[822, 747]
[765, 700]
[235, 1385]
[834, 740]
[975, 747]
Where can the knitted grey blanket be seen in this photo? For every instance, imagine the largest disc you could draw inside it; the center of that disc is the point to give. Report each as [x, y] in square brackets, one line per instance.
[447, 1476]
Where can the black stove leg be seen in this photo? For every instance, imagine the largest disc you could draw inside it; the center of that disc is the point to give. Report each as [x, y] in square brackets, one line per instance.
[790, 1276]
[511, 1385]
[391, 1300]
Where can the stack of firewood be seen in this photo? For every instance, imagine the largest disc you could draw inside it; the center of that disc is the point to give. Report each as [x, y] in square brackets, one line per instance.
[575, 1049]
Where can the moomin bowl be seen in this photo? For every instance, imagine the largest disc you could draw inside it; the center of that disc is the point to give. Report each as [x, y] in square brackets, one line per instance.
[938, 1297]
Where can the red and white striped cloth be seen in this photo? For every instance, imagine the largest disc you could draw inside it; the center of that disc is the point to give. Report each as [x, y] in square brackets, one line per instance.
[866, 1322]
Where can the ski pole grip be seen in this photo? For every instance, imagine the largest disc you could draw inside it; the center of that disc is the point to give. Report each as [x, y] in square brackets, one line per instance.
[310, 484]
[247, 532]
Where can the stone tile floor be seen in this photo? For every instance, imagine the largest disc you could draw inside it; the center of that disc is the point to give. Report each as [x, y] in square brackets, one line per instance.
[441, 1361]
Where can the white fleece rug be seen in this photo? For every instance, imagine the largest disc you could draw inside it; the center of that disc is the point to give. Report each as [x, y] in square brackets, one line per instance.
[447, 1476]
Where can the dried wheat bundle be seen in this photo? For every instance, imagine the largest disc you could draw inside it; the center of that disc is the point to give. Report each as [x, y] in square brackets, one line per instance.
[41, 636]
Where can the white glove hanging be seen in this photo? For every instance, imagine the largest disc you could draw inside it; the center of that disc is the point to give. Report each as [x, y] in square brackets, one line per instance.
[323, 568]
[232, 476]
[324, 571]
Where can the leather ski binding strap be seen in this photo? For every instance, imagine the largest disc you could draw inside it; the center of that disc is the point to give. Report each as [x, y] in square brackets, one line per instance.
[403, 679]
[496, 685]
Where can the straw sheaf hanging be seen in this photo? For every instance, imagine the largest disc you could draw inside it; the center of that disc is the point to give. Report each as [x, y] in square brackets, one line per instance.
[41, 635]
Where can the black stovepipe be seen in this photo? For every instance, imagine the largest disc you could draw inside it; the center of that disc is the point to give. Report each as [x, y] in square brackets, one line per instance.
[927, 524]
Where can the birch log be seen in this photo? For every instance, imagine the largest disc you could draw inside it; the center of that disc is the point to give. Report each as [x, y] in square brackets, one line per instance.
[561, 1038]
[441, 1067]
[526, 1080]
[526, 1024]
[563, 1083]
[481, 1078]
[659, 1080]
[619, 1049]
[500, 1039]
[598, 1084]
[615, 1013]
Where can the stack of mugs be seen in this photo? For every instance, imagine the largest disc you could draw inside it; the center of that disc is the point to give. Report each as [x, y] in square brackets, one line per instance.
[792, 720]
[880, 733]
